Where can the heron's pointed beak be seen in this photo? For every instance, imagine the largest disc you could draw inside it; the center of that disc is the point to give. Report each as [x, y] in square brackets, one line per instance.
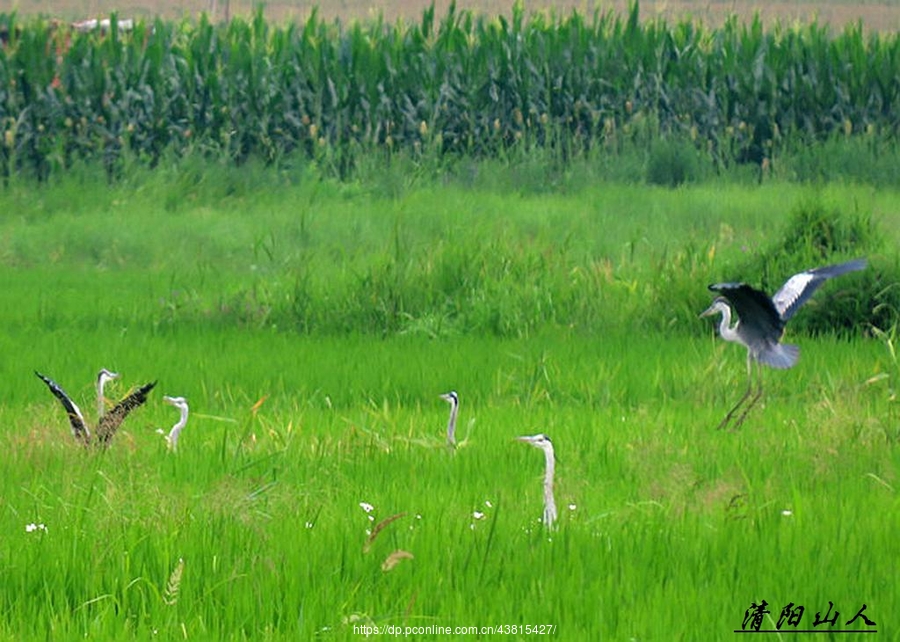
[708, 312]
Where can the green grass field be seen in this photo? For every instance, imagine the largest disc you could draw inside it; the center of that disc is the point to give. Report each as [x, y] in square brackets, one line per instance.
[228, 287]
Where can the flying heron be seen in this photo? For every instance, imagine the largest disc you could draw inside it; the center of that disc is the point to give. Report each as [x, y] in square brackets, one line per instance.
[182, 405]
[761, 320]
[453, 399]
[543, 442]
[108, 422]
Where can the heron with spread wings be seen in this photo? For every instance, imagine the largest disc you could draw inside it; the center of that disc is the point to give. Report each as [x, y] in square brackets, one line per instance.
[108, 422]
[761, 321]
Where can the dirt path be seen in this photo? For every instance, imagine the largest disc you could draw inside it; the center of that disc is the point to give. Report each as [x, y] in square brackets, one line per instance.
[874, 15]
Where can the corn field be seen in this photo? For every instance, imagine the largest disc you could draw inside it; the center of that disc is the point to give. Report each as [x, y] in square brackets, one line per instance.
[457, 85]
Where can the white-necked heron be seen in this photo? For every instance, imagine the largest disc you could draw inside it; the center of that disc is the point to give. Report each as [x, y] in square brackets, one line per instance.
[182, 405]
[453, 399]
[103, 377]
[543, 442]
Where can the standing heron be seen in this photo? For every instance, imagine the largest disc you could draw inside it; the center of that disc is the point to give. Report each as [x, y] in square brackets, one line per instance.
[543, 442]
[761, 321]
[453, 399]
[182, 405]
[108, 422]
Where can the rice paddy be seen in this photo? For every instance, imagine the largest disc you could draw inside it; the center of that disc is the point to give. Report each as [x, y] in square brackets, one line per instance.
[312, 492]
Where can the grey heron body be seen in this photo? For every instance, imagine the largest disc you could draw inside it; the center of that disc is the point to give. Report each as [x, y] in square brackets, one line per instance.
[182, 405]
[543, 442]
[453, 399]
[761, 321]
[108, 423]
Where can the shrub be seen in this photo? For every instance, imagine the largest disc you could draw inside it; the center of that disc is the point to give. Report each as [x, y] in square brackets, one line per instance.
[817, 235]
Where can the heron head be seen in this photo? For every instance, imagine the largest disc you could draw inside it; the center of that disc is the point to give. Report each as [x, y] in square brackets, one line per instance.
[718, 306]
[538, 441]
[450, 397]
[541, 441]
[106, 375]
[178, 402]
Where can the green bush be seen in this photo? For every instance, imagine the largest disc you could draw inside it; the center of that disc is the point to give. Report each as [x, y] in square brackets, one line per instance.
[672, 162]
[817, 235]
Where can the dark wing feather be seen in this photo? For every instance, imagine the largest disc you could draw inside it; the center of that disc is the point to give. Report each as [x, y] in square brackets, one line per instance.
[110, 422]
[800, 287]
[758, 317]
[79, 428]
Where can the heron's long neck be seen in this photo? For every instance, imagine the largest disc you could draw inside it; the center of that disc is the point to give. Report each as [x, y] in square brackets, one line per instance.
[172, 437]
[726, 330]
[182, 421]
[451, 424]
[549, 502]
[101, 405]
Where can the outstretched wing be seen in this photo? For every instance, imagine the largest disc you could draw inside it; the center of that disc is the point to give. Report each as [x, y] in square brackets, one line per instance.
[79, 428]
[759, 320]
[110, 422]
[797, 290]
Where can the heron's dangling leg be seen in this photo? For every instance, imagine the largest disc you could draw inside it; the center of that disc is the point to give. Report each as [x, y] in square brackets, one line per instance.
[731, 412]
[744, 398]
[759, 390]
